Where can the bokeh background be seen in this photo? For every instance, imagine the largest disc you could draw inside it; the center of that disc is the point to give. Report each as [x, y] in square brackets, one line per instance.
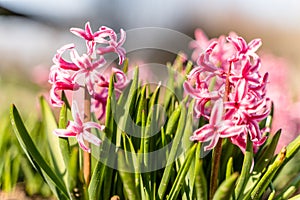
[31, 31]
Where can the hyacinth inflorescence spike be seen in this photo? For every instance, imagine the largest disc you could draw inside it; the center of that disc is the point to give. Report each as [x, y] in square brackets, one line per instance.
[89, 67]
[229, 90]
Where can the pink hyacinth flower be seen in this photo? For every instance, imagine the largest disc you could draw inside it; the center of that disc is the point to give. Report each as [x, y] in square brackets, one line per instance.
[243, 48]
[88, 35]
[60, 80]
[101, 91]
[62, 63]
[88, 68]
[80, 130]
[216, 128]
[113, 44]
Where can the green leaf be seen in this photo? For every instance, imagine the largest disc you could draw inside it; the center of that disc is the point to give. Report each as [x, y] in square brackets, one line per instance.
[100, 169]
[229, 167]
[73, 167]
[290, 189]
[151, 123]
[170, 87]
[64, 145]
[188, 67]
[141, 105]
[291, 150]
[129, 149]
[226, 188]
[182, 173]
[128, 179]
[188, 130]
[200, 178]
[267, 154]
[297, 197]
[171, 126]
[272, 195]
[245, 173]
[34, 155]
[125, 66]
[266, 179]
[53, 141]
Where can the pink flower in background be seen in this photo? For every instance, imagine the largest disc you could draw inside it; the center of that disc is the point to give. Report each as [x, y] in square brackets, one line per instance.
[227, 78]
[200, 44]
[80, 130]
[286, 109]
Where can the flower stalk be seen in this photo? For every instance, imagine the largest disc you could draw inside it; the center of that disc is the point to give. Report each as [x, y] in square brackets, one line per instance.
[218, 149]
[87, 155]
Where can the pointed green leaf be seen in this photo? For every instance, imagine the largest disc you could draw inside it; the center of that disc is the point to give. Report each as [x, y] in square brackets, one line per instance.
[182, 173]
[266, 179]
[128, 179]
[64, 142]
[245, 173]
[200, 178]
[171, 126]
[290, 189]
[53, 141]
[226, 188]
[33, 154]
[229, 167]
[297, 197]
[267, 154]
[99, 172]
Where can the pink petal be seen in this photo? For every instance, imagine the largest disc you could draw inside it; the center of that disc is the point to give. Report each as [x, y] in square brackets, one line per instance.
[104, 50]
[64, 133]
[122, 37]
[216, 113]
[81, 143]
[79, 32]
[88, 125]
[54, 97]
[242, 89]
[203, 134]
[91, 138]
[212, 143]
[254, 44]
[122, 54]
[121, 81]
[232, 131]
[76, 114]
[88, 30]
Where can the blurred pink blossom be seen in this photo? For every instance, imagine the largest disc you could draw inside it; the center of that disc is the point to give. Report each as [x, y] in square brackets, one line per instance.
[286, 108]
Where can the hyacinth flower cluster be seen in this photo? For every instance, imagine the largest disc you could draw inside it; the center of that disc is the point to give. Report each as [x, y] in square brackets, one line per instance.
[87, 71]
[229, 90]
